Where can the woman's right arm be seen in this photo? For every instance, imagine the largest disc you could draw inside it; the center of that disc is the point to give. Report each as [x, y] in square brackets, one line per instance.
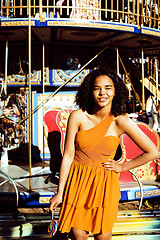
[69, 152]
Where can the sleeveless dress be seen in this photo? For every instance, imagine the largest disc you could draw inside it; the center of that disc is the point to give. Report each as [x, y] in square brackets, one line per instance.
[92, 193]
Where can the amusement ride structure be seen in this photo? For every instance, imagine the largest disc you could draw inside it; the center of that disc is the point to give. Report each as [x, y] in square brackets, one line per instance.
[47, 48]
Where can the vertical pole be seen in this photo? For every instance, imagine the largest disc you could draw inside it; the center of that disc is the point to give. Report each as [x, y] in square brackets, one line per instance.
[40, 7]
[34, 8]
[7, 8]
[151, 68]
[128, 12]
[148, 64]
[142, 13]
[1, 13]
[106, 10]
[138, 13]
[48, 9]
[111, 9]
[117, 62]
[133, 10]
[29, 102]
[4, 157]
[21, 9]
[158, 5]
[43, 55]
[143, 93]
[117, 9]
[156, 62]
[54, 7]
[6, 66]
[100, 11]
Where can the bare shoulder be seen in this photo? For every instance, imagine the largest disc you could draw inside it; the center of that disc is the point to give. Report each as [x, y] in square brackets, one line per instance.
[124, 123]
[76, 117]
[121, 119]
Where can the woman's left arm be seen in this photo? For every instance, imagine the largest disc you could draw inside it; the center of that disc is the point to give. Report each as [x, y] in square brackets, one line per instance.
[150, 151]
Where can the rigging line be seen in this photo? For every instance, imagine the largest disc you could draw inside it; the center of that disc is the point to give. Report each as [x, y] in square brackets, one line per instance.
[155, 66]
[55, 92]
[136, 94]
[152, 80]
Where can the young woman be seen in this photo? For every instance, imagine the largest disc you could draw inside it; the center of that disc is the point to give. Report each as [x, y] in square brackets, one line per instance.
[92, 192]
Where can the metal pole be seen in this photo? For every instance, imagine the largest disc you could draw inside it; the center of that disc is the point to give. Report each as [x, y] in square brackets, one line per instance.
[143, 93]
[156, 63]
[43, 55]
[117, 62]
[29, 97]
[6, 66]
[57, 90]
[136, 94]
[40, 7]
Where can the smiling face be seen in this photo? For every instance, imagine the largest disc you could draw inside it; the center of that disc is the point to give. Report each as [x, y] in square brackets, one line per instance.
[103, 92]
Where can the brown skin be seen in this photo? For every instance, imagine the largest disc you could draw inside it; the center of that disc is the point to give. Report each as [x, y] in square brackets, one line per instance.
[103, 93]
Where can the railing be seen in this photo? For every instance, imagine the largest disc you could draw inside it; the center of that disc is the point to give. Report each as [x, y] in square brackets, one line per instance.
[138, 12]
[149, 66]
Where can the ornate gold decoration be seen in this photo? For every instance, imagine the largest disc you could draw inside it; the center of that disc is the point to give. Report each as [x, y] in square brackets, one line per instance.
[59, 76]
[44, 200]
[148, 193]
[17, 79]
[6, 23]
[150, 32]
[46, 75]
[63, 116]
[63, 119]
[90, 24]
[144, 173]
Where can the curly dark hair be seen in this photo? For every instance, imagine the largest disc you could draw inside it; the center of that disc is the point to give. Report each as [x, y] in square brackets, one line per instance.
[84, 97]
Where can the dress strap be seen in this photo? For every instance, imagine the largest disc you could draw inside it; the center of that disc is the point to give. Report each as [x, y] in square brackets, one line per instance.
[100, 130]
[108, 122]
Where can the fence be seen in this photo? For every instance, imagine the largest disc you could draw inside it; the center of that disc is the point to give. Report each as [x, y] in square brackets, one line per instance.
[138, 12]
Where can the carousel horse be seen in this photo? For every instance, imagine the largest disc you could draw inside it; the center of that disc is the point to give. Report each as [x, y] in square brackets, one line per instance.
[10, 117]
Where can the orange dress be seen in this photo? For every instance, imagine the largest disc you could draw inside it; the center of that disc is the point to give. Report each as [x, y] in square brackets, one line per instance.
[92, 193]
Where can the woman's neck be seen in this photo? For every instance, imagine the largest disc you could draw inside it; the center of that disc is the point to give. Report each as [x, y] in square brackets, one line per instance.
[100, 113]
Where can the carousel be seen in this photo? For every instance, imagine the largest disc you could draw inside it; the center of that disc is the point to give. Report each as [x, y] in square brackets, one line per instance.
[47, 48]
